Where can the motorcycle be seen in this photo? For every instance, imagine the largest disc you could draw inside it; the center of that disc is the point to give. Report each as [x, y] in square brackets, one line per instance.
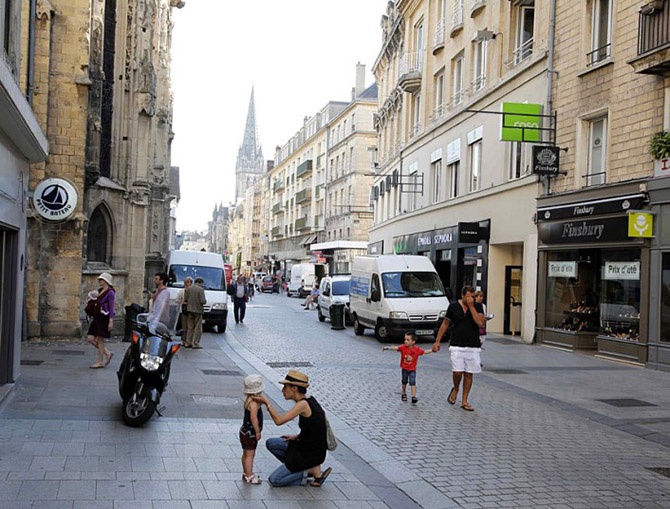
[144, 372]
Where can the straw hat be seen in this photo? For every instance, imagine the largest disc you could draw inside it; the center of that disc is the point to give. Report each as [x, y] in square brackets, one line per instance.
[106, 277]
[253, 384]
[296, 378]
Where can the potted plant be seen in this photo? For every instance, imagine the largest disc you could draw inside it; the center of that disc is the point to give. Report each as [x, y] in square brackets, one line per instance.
[659, 148]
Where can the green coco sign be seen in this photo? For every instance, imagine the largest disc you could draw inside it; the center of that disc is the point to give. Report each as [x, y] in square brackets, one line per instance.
[521, 122]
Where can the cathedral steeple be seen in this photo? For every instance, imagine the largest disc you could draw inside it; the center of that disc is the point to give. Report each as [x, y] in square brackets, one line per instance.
[249, 167]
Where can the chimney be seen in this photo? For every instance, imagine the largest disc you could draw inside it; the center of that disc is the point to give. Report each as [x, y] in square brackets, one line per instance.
[360, 79]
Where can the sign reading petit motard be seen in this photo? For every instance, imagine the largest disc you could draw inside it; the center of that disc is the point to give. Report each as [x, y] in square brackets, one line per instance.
[55, 199]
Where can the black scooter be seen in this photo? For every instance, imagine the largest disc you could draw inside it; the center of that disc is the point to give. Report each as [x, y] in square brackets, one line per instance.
[145, 370]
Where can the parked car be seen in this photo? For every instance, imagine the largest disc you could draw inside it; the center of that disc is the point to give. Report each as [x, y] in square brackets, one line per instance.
[270, 284]
[334, 289]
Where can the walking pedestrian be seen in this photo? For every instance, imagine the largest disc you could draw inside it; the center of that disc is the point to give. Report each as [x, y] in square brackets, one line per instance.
[479, 299]
[409, 358]
[240, 293]
[467, 316]
[301, 455]
[195, 301]
[103, 321]
[252, 425]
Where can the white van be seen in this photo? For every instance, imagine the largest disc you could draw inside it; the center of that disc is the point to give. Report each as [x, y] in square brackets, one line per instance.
[395, 294]
[208, 266]
[303, 276]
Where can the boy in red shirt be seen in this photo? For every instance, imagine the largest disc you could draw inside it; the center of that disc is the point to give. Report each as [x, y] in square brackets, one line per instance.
[409, 357]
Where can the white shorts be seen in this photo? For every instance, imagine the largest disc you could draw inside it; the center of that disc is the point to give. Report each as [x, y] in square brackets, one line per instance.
[465, 359]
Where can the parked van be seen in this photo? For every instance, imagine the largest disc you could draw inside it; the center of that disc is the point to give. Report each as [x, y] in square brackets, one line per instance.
[303, 276]
[395, 294]
[208, 266]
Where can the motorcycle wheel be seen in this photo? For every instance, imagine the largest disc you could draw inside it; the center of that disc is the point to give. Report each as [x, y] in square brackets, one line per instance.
[137, 410]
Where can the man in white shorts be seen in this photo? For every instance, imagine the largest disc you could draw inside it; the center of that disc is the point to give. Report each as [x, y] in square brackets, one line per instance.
[467, 316]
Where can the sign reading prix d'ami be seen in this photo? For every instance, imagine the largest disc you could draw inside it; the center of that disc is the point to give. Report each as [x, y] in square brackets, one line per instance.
[55, 199]
[521, 122]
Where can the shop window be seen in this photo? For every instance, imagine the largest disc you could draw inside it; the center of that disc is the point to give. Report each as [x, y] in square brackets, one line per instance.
[620, 294]
[573, 289]
[593, 290]
[665, 299]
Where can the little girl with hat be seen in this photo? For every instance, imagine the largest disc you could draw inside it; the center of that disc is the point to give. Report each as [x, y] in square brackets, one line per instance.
[252, 425]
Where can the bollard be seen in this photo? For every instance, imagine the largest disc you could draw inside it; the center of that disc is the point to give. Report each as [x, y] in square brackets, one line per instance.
[337, 316]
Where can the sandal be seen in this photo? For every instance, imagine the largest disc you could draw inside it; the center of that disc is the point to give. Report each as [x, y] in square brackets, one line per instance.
[403, 397]
[251, 479]
[318, 481]
[468, 408]
[449, 400]
[109, 358]
[96, 366]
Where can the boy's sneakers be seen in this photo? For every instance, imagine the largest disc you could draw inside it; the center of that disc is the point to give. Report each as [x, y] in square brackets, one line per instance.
[403, 397]
[414, 400]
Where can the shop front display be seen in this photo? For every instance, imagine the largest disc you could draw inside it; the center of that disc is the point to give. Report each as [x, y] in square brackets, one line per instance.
[592, 276]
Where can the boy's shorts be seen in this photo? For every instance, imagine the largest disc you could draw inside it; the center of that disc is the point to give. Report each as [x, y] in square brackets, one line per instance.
[465, 359]
[408, 376]
[248, 443]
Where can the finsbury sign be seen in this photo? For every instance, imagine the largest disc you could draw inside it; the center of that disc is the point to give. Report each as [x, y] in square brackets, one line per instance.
[55, 199]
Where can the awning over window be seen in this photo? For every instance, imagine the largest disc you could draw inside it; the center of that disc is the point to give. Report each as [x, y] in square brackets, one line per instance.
[309, 239]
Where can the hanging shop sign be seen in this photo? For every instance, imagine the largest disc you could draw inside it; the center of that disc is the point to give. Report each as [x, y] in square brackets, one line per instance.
[55, 199]
[521, 122]
[546, 159]
[640, 224]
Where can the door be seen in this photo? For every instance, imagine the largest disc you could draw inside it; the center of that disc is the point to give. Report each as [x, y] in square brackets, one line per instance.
[8, 270]
[512, 318]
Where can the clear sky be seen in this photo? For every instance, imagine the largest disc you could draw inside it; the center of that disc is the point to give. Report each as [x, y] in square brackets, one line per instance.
[297, 54]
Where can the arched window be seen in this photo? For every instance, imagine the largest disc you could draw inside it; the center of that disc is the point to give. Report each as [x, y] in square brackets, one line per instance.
[99, 237]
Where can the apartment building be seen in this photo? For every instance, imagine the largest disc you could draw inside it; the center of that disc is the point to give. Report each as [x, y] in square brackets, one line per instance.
[447, 187]
[604, 267]
[22, 142]
[319, 186]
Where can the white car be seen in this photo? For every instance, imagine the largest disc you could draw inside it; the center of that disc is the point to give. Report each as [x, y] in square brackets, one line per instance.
[333, 289]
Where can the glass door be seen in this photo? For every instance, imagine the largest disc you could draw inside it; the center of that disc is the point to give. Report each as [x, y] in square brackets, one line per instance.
[512, 317]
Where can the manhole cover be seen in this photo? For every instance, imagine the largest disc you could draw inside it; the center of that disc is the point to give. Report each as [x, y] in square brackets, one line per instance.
[503, 371]
[67, 352]
[626, 402]
[221, 372]
[213, 400]
[660, 470]
[290, 364]
[31, 363]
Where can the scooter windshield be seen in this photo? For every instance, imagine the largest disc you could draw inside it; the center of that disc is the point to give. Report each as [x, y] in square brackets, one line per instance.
[154, 345]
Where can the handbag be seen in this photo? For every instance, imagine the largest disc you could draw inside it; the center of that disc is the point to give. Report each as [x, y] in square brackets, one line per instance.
[331, 441]
[184, 309]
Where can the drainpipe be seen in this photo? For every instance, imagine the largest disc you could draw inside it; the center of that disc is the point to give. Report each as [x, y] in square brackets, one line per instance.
[30, 68]
[550, 56]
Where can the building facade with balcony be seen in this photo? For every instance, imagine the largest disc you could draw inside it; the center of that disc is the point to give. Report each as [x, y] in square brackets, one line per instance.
[447, 187]
[604, 257]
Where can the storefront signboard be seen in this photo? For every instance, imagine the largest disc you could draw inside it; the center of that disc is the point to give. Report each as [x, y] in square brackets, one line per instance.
[562, 269]
[55, 199]
[621, 271]
[546, 160]
[521, 122]
[640, 224]
[611, 229]
[618, 205]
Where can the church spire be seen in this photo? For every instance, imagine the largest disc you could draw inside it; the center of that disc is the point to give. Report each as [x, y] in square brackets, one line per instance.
[249, 165]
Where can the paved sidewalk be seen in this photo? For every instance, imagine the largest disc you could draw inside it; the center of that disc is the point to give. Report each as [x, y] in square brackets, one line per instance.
[551, 428]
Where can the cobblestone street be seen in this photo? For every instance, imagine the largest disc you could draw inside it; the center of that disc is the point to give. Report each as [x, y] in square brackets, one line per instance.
[551, 428]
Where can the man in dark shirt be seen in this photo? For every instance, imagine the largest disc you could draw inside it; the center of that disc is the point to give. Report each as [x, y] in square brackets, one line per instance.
[467, 316]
